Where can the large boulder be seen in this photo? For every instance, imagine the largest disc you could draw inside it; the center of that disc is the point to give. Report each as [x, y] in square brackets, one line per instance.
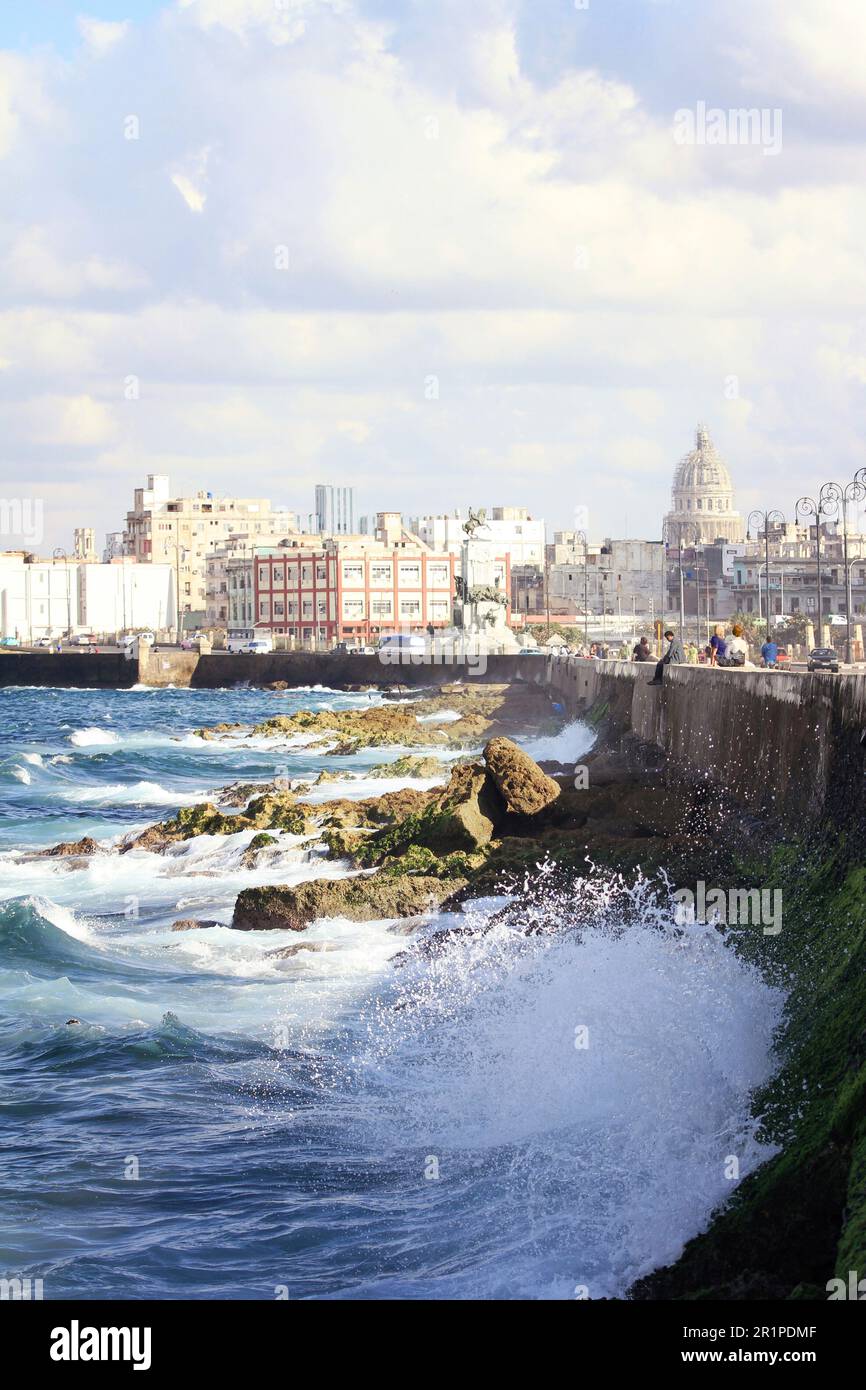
[364, 899]
[524, 788]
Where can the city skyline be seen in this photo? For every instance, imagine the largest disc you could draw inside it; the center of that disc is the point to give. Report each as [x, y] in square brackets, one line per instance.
[270, 242]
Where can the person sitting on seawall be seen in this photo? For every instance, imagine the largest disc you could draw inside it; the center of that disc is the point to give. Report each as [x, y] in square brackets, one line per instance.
[675, 654]
[737, 653]
[770, 654]
[718, 644]
[642, 650]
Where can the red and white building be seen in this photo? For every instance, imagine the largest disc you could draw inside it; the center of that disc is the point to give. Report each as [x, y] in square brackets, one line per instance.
[355, 589]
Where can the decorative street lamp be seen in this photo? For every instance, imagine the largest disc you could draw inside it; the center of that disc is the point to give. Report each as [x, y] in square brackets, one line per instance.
[765, 520]
[581, 536]
[841, 494]
[58, 550]
[826, 505]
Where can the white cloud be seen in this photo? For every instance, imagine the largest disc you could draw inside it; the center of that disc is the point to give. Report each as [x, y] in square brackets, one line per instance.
[101, 35]
[582, 287]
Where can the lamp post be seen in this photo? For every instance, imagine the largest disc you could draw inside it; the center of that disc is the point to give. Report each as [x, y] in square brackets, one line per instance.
[824, 506]
[765, 520]
[841, 494]
[581, 536]
[58, 550]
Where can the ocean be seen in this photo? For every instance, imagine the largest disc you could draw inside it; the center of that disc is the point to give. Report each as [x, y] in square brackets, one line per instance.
[518, 1116]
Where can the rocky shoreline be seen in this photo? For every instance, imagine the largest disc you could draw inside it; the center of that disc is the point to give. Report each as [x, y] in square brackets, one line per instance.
[497, 823]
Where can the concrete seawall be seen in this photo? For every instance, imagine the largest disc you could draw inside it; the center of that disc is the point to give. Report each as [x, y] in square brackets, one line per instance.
[783, 743]
[168, 666]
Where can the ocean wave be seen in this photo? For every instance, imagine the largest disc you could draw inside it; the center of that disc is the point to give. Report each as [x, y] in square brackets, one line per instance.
[565, 746]
[92, 737]
[581, 1086]
[133, 794]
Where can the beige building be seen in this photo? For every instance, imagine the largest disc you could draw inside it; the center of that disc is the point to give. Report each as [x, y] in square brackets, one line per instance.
[184, 531]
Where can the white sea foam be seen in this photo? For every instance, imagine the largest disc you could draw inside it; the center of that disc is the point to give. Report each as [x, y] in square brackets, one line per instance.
[132, 794]
[92, 737]
[566, 746]
[445, 716]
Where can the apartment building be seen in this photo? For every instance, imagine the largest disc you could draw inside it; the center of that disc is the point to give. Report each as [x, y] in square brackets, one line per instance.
[351, 589]
[226, 563]
[183, 531]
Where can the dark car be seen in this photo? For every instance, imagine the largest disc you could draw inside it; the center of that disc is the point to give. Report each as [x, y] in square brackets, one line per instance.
[823, 659]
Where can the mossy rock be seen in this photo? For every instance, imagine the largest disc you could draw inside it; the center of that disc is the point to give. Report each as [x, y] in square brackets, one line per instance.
[363, 899]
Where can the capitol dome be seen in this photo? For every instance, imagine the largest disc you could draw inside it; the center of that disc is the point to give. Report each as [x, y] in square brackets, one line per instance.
[702, 498]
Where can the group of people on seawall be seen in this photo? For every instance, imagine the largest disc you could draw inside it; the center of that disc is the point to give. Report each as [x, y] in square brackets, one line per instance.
[721, 650]
[725, 649]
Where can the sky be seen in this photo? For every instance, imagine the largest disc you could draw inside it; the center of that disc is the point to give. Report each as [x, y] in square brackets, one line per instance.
[451, 254]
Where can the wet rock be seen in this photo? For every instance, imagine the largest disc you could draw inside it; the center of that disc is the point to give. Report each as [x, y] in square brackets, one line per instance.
[363, 899]
[524, 788]
[194, 924]
[462, 816]
[286, 952]
[411, 765]
[250, 856]
[216, 730]
[81, 848]
[273, 811]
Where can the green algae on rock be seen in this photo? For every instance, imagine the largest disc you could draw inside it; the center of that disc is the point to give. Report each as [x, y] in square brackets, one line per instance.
[366, 898]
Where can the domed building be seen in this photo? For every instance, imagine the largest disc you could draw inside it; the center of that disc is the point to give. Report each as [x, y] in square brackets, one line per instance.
[702, 498]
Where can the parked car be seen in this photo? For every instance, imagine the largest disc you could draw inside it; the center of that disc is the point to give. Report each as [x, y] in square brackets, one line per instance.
[84, 639]
[259, 646]
[131, 637]
[403, 642]
[823, 659]
[9, 642]
[362, 651]
[44, 642]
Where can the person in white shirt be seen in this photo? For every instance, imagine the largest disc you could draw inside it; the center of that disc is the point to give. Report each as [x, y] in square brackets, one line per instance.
[737, 647]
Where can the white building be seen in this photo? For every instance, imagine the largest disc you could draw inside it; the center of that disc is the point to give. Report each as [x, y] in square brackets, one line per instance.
[56, 598]
[510, 531]
[126, 597]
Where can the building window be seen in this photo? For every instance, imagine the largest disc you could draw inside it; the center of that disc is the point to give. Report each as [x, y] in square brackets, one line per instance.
[381, 573]
[353, 574]
[380, 608]
[410, 574]
[353, 609]
[410, 608]
[438, 576]
[321, 574]
[278, 577]
[263, 577]
[279, 608]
